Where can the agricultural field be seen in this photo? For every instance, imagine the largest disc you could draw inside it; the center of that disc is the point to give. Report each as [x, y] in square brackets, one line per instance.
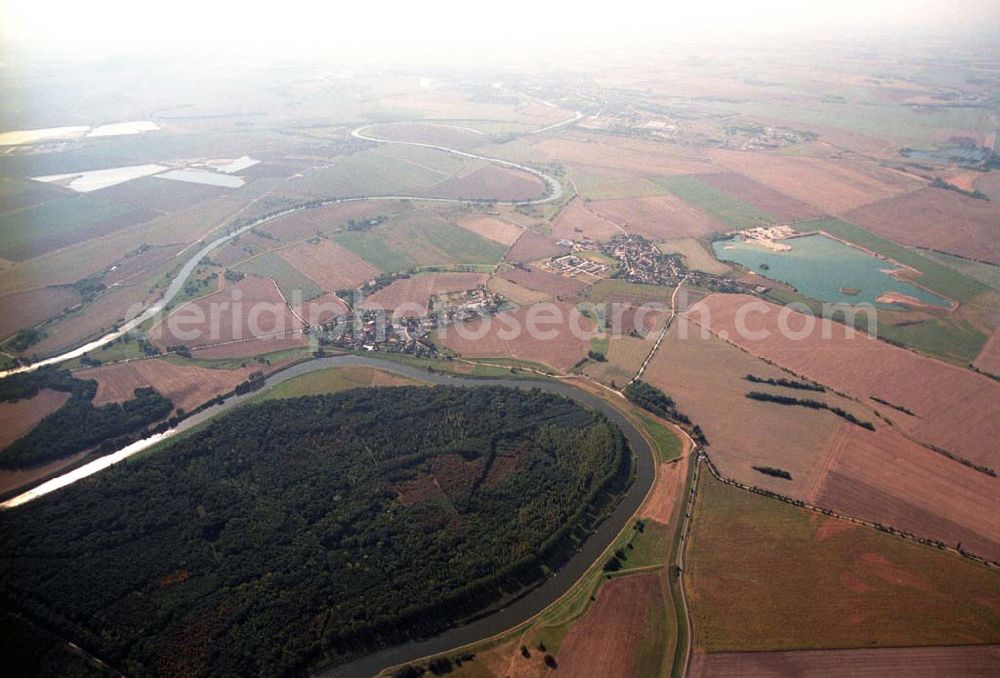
[490, 182]
[450, 135]
[491, 228]
[989, 359]
[417, 290]
[696, 255]
[420, 239]
[984, 273]
[732, 211]
[309, 223]
[658, 218]
[365, 174]
[336, 379]
[55, 224]
[515, 293]
[878, 475]
[833, 186]
[577, 221]
[637, 158]
[970, 661]
[96, 318]
[767, 200]
[954, 409]
[608, 185]
[187, 386]
[562, 339]
[533, 246]
[808, 581]
[551, 284]
[218, 324]
[22, 310]
[915, 219]
[330, 266]
[17, 418]
[609, 640]
[289, 279]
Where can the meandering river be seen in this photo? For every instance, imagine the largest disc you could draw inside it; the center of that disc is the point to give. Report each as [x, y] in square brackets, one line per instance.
[517, 611]
[554, 192]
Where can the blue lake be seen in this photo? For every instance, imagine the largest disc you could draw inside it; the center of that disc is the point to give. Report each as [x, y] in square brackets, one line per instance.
[818, 267]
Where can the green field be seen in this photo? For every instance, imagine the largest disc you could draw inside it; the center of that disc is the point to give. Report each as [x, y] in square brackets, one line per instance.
[954, 340]
[988, 274]
[288, 278]
[334, 380]
[365, 174]
[667, 445]
[935, 276]
[765, 575]
[41, 228]
[376, 251]
[957, 341]
[734, 212]
[696, 255]
[420, 240]
[602, 290]
[596, 187]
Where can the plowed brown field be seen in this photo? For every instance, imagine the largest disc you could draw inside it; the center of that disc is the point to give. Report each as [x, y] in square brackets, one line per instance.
[764, 198]
[251, 309]
[532, 246]
[634, 156]
[17, 418]
[658, 217]
[970, 661]
[417, 290]
[506, 335]
[576, 221]
[307, 223]
[765, 575]
[187, 386]
[492, 228]
[954, 409]
[490, 183]
[543, 281]
[834, 186]
[878, 476]
[22, 310]
[330, 265]
[936, 219]
[988, 359]
[604, 643]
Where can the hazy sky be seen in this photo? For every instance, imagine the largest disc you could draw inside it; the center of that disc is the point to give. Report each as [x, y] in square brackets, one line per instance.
[295, 27]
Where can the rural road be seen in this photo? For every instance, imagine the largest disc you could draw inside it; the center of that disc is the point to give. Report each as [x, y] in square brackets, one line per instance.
[554, 192]
[663, 332]
[518, 610]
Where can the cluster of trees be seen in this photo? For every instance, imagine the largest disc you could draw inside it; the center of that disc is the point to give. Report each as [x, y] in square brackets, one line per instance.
[25, 339]
[652, 399]
[900, 408]
[771, 471]
[286, 530]
[77, 425]
[254, 382]
[812, 404]
[786, 383]
[365, 224]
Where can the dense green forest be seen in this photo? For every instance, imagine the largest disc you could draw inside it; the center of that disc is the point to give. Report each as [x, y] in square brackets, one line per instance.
[77, 425]
[297, 532]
